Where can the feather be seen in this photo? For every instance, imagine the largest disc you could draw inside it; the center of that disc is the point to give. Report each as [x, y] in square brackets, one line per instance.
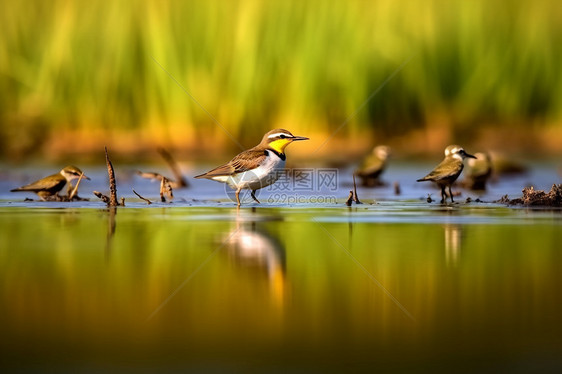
[247, 160]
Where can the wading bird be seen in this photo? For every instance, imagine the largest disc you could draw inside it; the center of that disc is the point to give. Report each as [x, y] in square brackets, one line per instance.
[447, 172]
[373, 166]
[256, 167]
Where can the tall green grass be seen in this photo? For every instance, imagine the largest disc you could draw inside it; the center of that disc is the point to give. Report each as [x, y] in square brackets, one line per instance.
[253, 65]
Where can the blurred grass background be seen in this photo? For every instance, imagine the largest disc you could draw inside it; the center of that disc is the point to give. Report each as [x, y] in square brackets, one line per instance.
[77, 75]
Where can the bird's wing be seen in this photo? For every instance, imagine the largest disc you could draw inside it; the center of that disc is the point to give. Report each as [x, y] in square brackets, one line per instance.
[47, 183]
[244, 161]
[446, 169]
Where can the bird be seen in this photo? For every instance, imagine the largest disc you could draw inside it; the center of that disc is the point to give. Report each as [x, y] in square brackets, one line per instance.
[51, 185]
[478, 171]
[256, 167]
[373, 165]
[448, 170]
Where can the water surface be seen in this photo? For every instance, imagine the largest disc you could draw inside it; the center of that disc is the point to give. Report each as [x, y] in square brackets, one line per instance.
[393, 284]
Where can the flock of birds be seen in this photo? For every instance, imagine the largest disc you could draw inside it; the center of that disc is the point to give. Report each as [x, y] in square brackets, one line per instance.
[260, 166]
[444, 174]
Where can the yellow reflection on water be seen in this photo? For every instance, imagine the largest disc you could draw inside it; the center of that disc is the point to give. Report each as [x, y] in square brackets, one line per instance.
[188, 286]
[257, 251]
[453, 237]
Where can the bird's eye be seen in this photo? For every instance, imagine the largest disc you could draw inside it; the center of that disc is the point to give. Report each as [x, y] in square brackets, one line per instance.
[282, 136]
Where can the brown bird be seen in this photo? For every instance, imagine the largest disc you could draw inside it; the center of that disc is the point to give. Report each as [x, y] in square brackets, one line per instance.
[256, 167]
[478, 171]
[447, 172]
[51, 185]
[373, 166]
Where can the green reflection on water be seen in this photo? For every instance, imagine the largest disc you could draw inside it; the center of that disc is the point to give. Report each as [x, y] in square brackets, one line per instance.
[275, 288]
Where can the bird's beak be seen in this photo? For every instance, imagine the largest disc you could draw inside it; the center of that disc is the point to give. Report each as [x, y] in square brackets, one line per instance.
[470, 156]
[299, 138]
[85, 177]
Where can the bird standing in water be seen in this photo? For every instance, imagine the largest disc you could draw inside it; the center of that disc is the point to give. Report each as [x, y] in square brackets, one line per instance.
[447, 172]
[478, 171]
[256, 167]
[49, 186]
[373, 166]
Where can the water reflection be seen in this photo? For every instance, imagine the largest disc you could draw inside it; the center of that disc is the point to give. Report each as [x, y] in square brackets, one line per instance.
[278, 293]
[453, 242]
[253, 249]
[111, 225]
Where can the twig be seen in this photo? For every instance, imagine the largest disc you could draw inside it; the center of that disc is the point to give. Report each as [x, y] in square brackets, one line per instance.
[101, 196]
[165, 189]
[349, 199]
[112, 185]
[149, 175]
[355, 197]
[142, 198]
[397, 189]
[76, 187]
[180, 180]
[165, 184]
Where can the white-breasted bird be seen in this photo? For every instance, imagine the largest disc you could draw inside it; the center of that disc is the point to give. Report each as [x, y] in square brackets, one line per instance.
[256, 167]
[447, 172]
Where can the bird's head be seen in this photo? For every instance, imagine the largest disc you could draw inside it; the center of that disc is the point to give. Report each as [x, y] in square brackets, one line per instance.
[72, 172]
[382, 152]
[457, 152]
[278, 139]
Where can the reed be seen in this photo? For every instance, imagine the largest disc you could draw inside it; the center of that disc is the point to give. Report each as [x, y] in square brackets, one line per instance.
[99, 67]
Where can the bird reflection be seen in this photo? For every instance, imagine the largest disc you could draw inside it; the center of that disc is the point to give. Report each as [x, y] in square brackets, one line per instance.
[453, 241]
[256, 249]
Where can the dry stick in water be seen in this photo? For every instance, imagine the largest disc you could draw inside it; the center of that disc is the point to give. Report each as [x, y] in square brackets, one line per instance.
[73, 193]
[112, 185]
[355, 197]
[101, 196]
[166, 188]
[180, 180]
[142, 198]
[165, 184]
[149, 175]
[349, 199]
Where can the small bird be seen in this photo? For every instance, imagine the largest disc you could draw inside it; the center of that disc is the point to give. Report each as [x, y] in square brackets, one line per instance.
[373, 165]
[51, 185]
[448, 170]
[256, 167]
[478, 171]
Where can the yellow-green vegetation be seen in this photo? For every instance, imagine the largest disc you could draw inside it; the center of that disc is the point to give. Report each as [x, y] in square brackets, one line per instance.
[73, 71]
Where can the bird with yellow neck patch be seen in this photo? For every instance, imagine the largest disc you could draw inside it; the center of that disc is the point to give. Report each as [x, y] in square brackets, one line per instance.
[257, 167]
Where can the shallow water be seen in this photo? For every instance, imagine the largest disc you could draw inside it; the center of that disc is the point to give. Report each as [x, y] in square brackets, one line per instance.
[392, 284]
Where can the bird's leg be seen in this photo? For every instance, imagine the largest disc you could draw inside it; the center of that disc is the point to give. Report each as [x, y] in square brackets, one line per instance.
[443, 195]
[254, 196]
[451, 193]
[238, 196]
